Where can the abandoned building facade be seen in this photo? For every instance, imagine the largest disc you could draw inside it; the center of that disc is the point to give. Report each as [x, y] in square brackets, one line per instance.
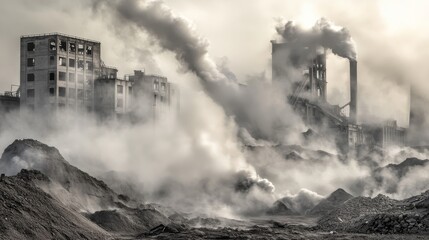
[61, 71]
[308, 97]
[58, 71]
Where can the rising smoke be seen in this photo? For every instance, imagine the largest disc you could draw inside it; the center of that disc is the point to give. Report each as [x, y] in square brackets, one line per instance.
[324, 34]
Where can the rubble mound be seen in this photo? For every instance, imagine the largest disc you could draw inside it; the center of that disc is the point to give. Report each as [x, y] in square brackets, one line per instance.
[281, 208]
[78, 189]
[346, 215]
[420, 201]
[298, 204]
[401, 169]
[29, 213]
[129, 221]
[411, 223]
[334, 200]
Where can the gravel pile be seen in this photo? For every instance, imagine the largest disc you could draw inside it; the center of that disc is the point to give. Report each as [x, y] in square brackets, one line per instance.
[334, 200]
[27, 212]
[73, 187]
[350, 212]
[393, 223]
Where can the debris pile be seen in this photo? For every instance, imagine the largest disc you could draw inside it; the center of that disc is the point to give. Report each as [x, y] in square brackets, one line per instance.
[393, 223]
[334, 200]
[29, 213]
[345, 216]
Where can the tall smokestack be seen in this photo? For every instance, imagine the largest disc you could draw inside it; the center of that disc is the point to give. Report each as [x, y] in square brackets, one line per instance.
[353, 91]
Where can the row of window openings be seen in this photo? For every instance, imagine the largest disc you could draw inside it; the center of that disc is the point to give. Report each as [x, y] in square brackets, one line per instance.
[62, 77]
[31, 62]
[120, 89]
[61, 92]
[62, 45]
[156, 86]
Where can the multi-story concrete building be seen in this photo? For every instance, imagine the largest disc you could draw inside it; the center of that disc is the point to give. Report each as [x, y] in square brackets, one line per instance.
[113, 96]
[155, 90]
[58, 71]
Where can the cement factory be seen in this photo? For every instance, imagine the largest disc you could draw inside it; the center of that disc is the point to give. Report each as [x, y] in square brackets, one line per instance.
[61, 71]
[308, 99]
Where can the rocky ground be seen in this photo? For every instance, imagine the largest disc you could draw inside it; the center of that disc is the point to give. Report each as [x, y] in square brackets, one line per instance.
[51, 202]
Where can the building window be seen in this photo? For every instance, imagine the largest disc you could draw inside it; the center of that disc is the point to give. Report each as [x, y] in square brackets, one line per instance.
[120, 89]
[61, 76]
[52, 60]
[30, 93]
[72, 47]
[62, 61]
[130, 90]
[154, 99]
[155, 85]
[52, 76]
[80, 93]
[89, 65]
[31, 47]
[52, 91]
[30, 77]
[119, 103]
[62, 91]
[162, 86]
[62, 45]
[80, 78]
[80, 64]
[80, 49]
[72, 93]
[52, 45]
[71, 77]
[31, 62]
[72, 62]
[89, 50]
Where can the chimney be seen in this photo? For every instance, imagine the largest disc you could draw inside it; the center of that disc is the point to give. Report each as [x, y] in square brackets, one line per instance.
[353, 92]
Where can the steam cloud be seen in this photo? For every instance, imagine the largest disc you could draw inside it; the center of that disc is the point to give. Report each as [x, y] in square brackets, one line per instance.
[323, 34]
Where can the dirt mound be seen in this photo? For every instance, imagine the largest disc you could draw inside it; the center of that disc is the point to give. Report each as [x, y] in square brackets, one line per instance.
[129, 221]
[29, 213]
[71, 186]
[334, 200]
[401, 169]
[347, 214]
[392, 223]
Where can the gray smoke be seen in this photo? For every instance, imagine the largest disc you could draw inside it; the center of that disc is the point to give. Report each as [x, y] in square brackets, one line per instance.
[258, 106]
[323, 34]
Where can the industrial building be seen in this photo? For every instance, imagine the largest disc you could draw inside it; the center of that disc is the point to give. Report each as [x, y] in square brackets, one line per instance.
[9, 101]
[307, 96]
[113, 95]
[58, 71]
[156, 90]
[62, 71]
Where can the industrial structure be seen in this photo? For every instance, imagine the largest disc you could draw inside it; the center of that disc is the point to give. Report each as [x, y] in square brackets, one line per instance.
[307, 96]
[9, 100]
[62, 71]
[58, 71]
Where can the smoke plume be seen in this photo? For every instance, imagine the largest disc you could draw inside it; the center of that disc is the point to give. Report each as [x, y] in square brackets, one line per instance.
[323, 34]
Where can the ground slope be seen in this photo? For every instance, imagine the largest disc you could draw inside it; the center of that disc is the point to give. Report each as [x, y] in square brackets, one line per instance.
[27, 212]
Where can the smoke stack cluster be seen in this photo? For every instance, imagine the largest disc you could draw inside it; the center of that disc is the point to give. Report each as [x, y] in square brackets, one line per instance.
[353, 91]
